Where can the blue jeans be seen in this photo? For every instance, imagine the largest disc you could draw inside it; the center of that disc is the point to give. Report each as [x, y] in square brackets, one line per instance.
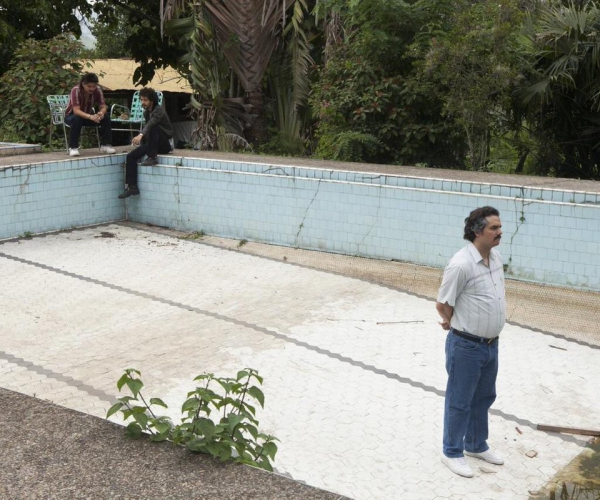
[472, 368]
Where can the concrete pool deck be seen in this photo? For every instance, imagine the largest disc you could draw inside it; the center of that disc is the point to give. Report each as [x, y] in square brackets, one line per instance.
[8, 149]
[354, 371]
[425, 172]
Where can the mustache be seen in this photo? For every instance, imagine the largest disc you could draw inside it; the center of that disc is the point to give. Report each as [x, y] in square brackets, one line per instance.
[497, 238]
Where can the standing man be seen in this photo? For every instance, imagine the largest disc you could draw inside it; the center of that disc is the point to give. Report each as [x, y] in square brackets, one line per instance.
[84, 98]
[473, 310]
[154, 138]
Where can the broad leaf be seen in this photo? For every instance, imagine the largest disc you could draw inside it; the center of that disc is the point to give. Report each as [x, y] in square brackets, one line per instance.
[158, 402]
[114, 409]
[197, 445]
[190, 404]
[205, 427]
[257, 394]
[135, 386]
[133, 430]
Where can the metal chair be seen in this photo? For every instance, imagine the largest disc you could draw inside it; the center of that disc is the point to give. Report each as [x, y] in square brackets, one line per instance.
[122, 115]
[58, 106]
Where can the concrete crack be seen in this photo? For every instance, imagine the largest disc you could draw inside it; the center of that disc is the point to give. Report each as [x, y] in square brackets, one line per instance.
[306, 212]
[279, 170]
[370, 177]
[520, 220]
[25, 183]
[374, 222]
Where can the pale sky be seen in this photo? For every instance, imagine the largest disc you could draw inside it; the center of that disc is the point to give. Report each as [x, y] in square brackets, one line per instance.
[86, 36]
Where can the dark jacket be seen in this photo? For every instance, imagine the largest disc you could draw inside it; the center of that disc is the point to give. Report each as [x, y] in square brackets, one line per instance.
[158, 117]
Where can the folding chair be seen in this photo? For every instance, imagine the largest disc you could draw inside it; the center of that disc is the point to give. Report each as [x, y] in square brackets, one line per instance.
[122, 115]
[58, 106]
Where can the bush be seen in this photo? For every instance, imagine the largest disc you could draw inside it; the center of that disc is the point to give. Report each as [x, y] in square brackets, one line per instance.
[8, 132]
[368, 99]
[349, 146]
[38, 69]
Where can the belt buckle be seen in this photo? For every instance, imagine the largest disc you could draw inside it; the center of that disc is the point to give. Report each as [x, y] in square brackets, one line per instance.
[490, 341]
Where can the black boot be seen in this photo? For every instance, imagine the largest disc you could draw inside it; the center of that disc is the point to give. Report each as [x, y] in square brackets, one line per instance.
[150, 161]
[129, 191]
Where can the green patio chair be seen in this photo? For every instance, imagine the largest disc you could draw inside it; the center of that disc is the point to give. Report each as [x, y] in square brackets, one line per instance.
[132, 117]
[58, 106]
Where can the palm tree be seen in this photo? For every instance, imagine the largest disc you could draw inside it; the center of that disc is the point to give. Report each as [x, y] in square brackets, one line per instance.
[564, 99]
[246, 33]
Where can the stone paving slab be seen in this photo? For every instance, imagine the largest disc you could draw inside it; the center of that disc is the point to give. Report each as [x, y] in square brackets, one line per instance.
[354, 372]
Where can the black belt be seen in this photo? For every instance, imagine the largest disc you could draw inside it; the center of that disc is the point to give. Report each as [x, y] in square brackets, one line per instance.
[474, 338]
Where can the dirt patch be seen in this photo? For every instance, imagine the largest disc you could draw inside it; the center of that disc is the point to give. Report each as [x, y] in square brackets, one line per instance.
[580, 480]
[106, 234]
[162, 244]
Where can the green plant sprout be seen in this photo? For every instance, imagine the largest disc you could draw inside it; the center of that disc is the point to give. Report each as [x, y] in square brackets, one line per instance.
[230, 434]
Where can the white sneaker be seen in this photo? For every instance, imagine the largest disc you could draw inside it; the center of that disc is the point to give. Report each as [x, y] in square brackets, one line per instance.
[109, 150]
[488, 456]
[73, 152]
[458, 466]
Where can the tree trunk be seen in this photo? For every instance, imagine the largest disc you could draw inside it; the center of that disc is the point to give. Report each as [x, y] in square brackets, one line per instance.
[521, 164]
[257, 133]
[478, 140]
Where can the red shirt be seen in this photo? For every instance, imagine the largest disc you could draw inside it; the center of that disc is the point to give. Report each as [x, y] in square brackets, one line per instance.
[85, 101]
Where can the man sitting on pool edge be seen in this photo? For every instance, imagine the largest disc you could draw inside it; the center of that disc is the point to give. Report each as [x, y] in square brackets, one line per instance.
[155, 138]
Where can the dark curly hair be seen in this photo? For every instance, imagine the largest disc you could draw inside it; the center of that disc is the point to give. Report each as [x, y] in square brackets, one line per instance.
[476, 222]
[149, 93]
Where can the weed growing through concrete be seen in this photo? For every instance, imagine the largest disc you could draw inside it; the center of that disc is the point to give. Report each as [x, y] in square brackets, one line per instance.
[230, 434]
[196, 235]
[242, 243]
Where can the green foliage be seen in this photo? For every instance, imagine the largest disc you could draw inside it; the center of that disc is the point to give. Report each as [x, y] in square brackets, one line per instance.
[286, 137]
[213, 103]
[560, 98]
[281, 143]
[349, 146]
[368, 86]
[471, 61]
[111, 35]
[36, 19]
[38, 69]
[227, 75]
[231, 433]
[136, 27]
[8, 132]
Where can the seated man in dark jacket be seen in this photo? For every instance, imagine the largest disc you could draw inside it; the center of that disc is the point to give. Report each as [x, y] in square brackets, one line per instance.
[155, 138]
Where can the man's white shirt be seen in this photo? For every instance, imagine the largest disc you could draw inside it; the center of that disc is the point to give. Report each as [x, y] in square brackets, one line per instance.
[475, 291]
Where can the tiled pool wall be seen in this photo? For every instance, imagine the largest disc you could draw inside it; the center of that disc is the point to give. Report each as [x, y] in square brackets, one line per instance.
[54, 195]
[550, 236]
